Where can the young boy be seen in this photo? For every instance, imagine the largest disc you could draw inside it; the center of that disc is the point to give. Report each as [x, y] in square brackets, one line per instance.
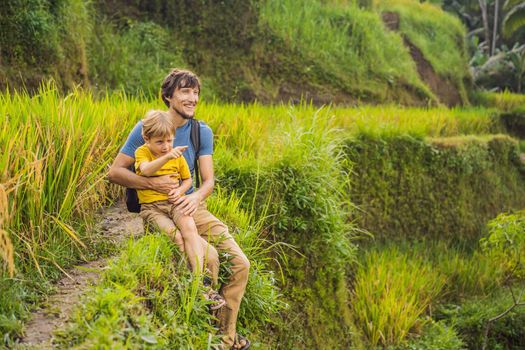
[158, 157]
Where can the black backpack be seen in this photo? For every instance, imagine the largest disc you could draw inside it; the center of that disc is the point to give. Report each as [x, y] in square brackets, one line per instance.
[132, 198]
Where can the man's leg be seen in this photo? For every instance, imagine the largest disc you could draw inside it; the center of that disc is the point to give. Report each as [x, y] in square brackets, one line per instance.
[210, 227]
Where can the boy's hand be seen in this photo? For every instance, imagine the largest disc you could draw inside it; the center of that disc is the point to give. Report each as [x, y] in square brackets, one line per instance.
[175, 194]
[176, 152]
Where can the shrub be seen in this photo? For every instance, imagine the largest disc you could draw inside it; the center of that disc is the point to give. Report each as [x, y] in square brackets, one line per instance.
[435, 336]
[470, 318]
[135, 58]
[303, 183]
[505, 242]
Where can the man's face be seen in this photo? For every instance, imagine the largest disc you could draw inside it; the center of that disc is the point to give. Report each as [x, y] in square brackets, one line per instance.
[184, 101]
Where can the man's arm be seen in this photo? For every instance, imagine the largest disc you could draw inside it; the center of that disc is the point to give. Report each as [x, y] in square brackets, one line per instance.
[189, 204]
[120, 174]
[207, 176]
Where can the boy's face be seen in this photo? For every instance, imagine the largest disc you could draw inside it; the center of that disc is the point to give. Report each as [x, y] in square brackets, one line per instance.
[159, 145]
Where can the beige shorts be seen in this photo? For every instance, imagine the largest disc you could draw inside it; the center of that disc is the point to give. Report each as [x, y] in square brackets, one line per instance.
[162, 214]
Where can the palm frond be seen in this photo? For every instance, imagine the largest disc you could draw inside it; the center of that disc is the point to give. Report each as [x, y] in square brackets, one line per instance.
[514, 20]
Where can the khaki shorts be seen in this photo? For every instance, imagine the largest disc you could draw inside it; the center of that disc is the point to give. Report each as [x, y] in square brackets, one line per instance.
[161, 213]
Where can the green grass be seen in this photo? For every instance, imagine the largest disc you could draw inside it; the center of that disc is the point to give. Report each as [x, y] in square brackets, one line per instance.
[272, 51]
[149, 298]
[398, 287]
[54, 160]
[438, 34]
[346, 45]
[285, 162]
[505, 101]
[391, 293]
[134, 58]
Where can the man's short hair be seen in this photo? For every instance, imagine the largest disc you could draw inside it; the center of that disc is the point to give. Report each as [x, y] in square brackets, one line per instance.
[178, 79]
[157, 124]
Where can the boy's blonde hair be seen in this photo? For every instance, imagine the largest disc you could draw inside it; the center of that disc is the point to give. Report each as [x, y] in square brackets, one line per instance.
[157, 124]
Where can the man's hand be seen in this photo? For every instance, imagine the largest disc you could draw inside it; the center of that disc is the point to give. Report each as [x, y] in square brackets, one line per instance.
[163, 184]
[186, 204]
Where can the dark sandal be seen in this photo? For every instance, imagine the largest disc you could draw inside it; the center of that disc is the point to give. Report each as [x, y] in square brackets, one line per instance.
[238, 340]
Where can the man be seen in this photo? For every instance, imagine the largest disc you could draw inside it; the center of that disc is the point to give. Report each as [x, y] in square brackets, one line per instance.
[180, 93]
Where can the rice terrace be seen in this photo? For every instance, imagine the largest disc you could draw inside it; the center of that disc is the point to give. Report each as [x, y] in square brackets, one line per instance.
[294, 174]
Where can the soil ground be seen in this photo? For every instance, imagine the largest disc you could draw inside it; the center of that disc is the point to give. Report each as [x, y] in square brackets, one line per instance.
[117, 224]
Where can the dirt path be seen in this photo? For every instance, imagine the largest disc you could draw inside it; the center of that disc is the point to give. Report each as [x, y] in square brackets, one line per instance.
[117, 225]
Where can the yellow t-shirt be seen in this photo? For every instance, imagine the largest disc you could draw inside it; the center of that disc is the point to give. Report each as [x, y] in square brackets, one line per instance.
[178, 168]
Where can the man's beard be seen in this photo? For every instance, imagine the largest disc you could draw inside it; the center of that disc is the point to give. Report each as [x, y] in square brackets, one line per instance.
[182, 114]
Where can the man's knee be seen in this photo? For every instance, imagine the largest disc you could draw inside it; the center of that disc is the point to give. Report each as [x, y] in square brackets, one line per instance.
[242, 265]
[211, 255]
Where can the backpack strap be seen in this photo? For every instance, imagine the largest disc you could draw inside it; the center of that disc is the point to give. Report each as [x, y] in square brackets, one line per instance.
[195, 138]
[132, 197]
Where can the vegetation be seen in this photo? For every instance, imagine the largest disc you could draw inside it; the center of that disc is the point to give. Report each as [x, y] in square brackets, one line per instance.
[269, 51]
[448, 293]
[391, 292]
[495, 31]
[312, 189]
[411, 188]
[149, 298]
[430, 29]
[505, 243]
[365, 226]
[320, 33]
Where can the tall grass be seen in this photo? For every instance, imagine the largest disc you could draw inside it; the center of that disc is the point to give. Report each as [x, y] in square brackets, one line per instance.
[398, 285]
[244, 132]
[391, 293]
[505, 101]
[54, 156]
[6, 247]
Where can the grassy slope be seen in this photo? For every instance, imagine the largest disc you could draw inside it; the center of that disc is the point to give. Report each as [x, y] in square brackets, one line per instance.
[281, 156]
[439, 35]
[269, 51]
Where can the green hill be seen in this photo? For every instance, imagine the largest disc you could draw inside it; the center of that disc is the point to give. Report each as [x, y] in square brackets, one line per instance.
[326, 51]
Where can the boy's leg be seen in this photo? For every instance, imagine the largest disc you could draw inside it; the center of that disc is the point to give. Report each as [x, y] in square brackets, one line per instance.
[192, 241]
[157, 215]
[210, 227]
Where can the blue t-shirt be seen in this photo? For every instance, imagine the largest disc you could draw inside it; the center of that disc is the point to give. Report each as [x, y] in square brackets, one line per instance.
[182, 138]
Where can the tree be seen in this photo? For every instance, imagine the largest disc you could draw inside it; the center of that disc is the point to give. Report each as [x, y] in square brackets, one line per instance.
[484, 16]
